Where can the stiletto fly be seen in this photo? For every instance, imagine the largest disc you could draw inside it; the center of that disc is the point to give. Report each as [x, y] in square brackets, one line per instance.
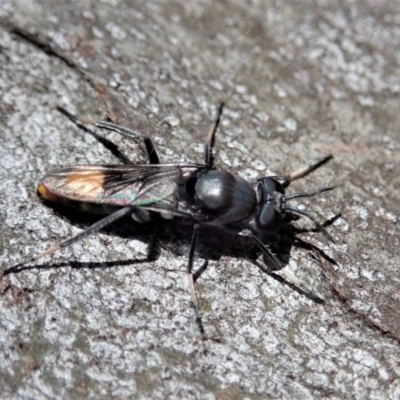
[200, 192]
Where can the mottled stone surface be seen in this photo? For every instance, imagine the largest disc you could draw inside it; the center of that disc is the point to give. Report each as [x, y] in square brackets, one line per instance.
[110, 317]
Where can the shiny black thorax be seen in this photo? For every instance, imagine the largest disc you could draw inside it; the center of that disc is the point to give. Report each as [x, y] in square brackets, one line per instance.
[233, 204]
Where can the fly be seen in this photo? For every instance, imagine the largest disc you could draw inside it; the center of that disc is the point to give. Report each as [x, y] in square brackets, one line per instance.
[199, 192]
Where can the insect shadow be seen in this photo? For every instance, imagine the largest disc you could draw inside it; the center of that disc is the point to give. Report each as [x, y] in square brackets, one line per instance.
[199, 195]
[213, 244]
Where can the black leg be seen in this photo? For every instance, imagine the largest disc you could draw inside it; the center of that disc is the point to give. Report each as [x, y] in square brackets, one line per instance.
[192, 280]
[113, 148]
[209, 146]
[277, 265]
[150, 149]
[313, 219]
[284, 273]
[109, 219]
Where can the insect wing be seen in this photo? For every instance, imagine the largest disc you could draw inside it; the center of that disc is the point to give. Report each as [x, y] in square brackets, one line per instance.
[152, 186]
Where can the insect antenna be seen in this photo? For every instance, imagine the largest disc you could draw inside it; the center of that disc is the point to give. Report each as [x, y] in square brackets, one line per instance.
[301, 173]
[309, 194]
[307, 170]
[209, 146]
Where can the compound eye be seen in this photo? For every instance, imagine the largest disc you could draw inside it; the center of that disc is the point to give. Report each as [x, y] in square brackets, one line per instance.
[269, 220]
[271, 185]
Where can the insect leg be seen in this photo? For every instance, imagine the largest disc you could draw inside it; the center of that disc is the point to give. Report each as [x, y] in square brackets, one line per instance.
[313, 219]
[191, 279]
[273, 260]
[209, 145]
[302, 172]
[150, 149]
[92, 229]
[105, 142]
[285, 274]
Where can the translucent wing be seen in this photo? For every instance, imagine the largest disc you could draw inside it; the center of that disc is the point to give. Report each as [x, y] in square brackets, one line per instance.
[151, 186]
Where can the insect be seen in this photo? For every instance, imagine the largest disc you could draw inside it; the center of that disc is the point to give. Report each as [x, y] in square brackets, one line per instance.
[200, 192]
